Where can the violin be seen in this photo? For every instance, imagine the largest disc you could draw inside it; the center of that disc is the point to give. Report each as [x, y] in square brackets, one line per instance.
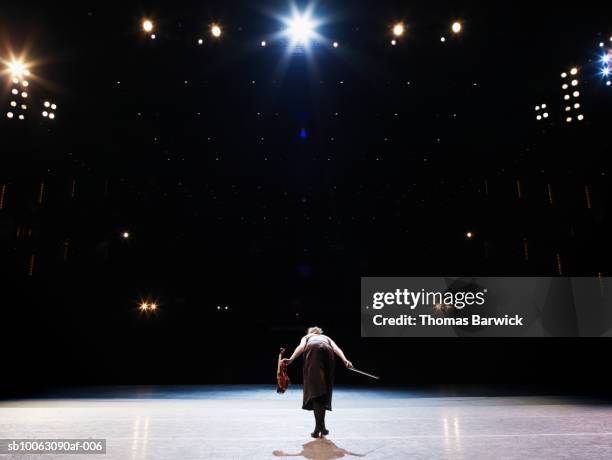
[282, 379]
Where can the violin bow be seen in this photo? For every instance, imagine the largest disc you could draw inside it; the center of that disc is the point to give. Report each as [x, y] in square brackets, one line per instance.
[363, 373]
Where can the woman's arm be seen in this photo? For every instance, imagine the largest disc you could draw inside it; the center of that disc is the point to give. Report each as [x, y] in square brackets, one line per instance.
[297, 352]
[340, 353]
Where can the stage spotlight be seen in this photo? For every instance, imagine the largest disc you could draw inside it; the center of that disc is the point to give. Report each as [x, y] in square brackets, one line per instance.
[576, 93]
[263, 43]
[398, 29]
[442, 39]
[147, 25]
[469, 235]
[300, 29]
[9, 114]
[456, 27]
[17, 69]
[605, 71]
[144, 306]
[580, 117]
[215, 30]
[153, 307]
[335, 45]
[393, 42]
[564, 74]
[574, 71]
[125, 235]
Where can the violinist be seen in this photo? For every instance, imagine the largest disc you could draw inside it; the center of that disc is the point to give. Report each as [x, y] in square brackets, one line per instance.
[319, 359]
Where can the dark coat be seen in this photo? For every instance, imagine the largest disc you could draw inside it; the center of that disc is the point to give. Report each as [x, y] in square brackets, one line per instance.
[319, 362]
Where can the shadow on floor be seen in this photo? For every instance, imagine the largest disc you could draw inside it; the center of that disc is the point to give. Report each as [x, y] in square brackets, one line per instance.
[319, 449]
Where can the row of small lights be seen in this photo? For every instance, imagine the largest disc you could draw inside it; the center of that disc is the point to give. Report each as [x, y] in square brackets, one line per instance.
[147, 307]
[398, 30]
[47, 112]
[150, 307]
[301, 28]
[148, 27]
[126, 235]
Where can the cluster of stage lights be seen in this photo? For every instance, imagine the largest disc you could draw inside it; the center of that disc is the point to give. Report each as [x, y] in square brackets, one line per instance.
[49, 110]
[19, 89]
[300, 30]
[18, 73]
[541, 112]
[606, 59]
[571, 95]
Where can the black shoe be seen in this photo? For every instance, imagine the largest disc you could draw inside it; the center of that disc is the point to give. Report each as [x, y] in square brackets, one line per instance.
[324, 432]
[316, 434]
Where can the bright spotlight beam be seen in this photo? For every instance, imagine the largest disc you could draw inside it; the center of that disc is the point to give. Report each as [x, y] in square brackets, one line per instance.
[17, 68]
[301, 28]
[215, 30]
[147, 25]
[398, 29]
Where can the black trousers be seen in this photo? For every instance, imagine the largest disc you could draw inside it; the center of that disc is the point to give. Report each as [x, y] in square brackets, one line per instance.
[318, 406]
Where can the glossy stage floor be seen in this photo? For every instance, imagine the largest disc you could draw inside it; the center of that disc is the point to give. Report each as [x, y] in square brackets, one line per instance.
[252, 422]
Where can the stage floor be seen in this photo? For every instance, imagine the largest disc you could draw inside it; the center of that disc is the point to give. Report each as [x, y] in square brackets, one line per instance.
[252, 422]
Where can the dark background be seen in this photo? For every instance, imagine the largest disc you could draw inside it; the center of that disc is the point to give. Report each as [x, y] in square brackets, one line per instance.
[246, 232]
